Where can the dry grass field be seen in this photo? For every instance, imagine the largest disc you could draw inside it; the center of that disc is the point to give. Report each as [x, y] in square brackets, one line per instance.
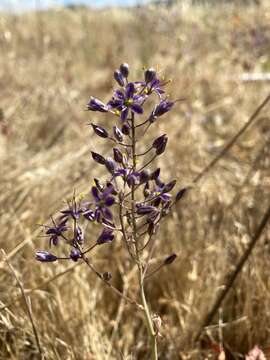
[50, 64]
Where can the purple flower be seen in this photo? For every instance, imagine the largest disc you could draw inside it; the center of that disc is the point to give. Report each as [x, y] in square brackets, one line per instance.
[45, 256]
[162, 108]
[129, 100]
[103, 200]
[105, 237]
[56, 231]
[96, 105]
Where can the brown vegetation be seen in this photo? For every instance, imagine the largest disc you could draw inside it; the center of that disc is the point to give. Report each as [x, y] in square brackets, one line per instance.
[50, 64]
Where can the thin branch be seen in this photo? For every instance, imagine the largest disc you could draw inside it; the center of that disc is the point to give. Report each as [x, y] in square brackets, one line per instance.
[29, 312]
[232, 277]
[232, 141]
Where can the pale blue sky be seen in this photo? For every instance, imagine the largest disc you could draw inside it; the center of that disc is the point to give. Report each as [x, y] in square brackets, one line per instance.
[20, 5]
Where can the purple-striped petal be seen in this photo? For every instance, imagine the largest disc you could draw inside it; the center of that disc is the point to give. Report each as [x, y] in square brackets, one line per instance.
[124, 114]
[136, 108]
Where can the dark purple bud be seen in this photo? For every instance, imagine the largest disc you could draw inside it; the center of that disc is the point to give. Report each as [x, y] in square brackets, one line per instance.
[117, 134]
[75, 254]
[155, 174]
[168, 187]
[107, 276]
[125, 129]
[98, 184]
[149, 75]
[110, 165]
[78, 235]
[158, 141]
[160, 144]
[170, 259]
[98, 158]
[145, 209]
[118, 76]
[105, 237]
[100, 131]
[109, 201]
[89, 215]
[45, 256]
[96, 105]
[113, 190]
[180, 194]
[124, 68]
[159, 182]
[163, 107]
[118, 156]
[144, 176]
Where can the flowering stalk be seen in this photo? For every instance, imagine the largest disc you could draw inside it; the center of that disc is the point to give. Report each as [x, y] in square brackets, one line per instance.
[133, 199]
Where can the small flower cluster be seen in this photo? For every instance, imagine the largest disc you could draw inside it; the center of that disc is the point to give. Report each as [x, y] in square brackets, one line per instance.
[133, 199]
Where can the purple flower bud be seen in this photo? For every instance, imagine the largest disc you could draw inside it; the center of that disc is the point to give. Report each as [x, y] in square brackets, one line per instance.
[110, 165]
[75, 254]
[160, 144]
[170, 259]
[155, 174]
[168, 187]
[125, 129]
[100, 131]
[89, 215]
[144, 176]
[78, 235]
[118, 156]
[124, 68]
[180, 194]
[117, 134]
[45, 256]
[105, 237]
[145, 209]
[158, 141]
[96, 105]
[149, 75]
[107, 276]
[98, 158]
[118, 76]
[160, 109]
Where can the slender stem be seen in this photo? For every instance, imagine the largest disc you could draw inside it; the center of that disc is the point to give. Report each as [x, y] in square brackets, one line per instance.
[149, 322]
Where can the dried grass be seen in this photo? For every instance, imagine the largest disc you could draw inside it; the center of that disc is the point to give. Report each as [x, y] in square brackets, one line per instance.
[50, 64]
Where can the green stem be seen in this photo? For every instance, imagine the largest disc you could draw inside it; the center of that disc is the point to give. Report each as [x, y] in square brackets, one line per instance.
[149, 322]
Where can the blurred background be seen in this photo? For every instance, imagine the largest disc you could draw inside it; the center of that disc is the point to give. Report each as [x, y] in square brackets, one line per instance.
[54, 56]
